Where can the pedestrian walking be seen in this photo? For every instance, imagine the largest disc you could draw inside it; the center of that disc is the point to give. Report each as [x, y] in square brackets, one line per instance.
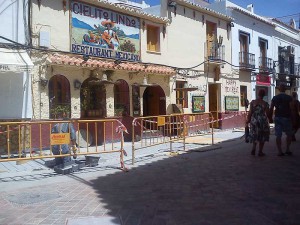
[295, 107]
[283, 122]
[259, 131]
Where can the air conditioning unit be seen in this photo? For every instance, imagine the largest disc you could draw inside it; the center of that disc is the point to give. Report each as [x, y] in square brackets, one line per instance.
[291, 50]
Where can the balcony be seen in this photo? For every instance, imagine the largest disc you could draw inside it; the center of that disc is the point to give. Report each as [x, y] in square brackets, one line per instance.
[289, 68]
[247, 61]
[265, 65]
[215, 53]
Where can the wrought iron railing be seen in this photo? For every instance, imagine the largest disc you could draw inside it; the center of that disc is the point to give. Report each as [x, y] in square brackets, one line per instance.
[265, 64]
[247, 60]
[215, 51]
[289, 68]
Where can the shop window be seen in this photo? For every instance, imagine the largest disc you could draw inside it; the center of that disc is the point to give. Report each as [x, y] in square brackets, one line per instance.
[243, 95]
[153, 38]
[181, 94]
[121, 96]
[59, 97]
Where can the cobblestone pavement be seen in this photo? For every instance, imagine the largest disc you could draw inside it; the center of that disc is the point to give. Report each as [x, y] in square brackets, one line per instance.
[220, 185]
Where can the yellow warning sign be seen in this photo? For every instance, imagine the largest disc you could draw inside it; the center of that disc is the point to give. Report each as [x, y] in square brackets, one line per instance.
[60, 138]
[161, 121]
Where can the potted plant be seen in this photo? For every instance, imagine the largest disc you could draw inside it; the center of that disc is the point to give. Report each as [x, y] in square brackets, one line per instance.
[58, 111]
[119, 109]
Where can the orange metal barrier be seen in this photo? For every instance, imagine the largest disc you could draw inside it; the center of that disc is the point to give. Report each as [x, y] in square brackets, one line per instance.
[35, 140]
[156, 130]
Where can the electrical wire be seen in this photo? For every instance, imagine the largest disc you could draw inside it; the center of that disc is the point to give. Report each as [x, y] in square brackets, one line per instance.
[291, 15]
[145, 63]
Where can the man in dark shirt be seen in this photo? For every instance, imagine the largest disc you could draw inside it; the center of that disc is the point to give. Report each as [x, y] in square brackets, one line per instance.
[282, 119]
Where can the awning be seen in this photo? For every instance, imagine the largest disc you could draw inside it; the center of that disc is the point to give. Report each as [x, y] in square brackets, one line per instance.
[12, 60]
[93, 62]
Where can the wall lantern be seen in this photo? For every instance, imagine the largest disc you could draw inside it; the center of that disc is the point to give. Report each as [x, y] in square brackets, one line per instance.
[173, 4]
[43, 82]
[164, 29]
[64, 5]
[220, 40]
[229, 26]
[203, 19]
[85, 57]
[39, 3]
[77, 84]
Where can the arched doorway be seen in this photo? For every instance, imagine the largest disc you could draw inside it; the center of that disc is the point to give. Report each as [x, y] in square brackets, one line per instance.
[59, 97]
[154, 101]
[93, 98]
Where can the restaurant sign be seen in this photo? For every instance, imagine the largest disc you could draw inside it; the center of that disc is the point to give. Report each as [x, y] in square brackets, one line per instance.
[263, 80]
[101, 32]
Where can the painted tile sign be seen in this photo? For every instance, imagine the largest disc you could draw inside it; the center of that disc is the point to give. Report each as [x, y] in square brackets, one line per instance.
[100, 32]
[231, 103]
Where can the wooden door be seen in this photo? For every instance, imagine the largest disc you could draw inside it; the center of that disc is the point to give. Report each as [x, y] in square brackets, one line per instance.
[154, 102]
[263, 54]
[244, 49]
[211, 37]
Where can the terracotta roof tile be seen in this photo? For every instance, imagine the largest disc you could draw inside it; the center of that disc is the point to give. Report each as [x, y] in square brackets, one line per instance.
[61, 59]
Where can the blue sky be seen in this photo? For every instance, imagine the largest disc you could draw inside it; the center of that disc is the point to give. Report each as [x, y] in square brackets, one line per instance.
[270, 8]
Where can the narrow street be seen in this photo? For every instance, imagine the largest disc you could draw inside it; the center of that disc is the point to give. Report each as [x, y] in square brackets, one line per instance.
[222, 185]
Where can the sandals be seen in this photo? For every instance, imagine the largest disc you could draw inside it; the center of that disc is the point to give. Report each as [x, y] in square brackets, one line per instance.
[288, 153]
[261, 154]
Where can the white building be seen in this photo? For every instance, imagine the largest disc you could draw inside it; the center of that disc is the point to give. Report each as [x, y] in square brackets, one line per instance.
[286, 45]
[272, 47]
[15, 63]
[252, 36]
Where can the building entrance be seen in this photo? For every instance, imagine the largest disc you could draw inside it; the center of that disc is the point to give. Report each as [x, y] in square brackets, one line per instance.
[214, 102]
[154, 101]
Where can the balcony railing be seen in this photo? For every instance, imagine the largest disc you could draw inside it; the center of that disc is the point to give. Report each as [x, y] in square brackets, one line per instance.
[289, 68]
[297, 69]
[265, 64]
[215, 51]
[247, 60]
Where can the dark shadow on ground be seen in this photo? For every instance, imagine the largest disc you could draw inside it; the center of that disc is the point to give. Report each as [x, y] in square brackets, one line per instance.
[223, 186]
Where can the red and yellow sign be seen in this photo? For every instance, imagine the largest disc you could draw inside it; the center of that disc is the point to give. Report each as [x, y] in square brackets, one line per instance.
[263, 80]
[60, 138]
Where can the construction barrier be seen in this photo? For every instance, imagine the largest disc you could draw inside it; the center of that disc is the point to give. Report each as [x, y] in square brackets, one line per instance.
[229, 119]
[156, 130]
[37, 140]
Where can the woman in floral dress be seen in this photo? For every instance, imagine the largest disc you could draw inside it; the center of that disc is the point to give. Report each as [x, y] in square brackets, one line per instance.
[259, 123]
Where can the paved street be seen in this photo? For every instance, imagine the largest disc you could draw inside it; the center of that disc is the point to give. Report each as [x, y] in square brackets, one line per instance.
[221, 184]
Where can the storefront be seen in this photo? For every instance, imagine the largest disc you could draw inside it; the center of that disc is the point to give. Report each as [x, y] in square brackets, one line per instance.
[263, 81]
[15, 84]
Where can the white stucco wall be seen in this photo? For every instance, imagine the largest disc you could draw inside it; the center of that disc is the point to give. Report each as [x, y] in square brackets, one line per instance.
[15, 86]
[14, 18]
[51, 18]
[15, 95]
